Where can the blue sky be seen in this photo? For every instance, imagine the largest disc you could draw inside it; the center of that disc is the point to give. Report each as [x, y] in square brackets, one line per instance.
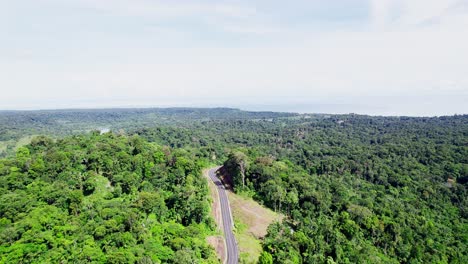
[393, 57]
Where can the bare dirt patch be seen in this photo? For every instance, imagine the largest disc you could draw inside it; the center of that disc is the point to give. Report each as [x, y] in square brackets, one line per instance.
[251, 220]
[256, 217]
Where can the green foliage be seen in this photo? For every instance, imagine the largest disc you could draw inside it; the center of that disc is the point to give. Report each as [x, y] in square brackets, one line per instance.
[102, 199]
[374, 190]
[265, 258]
[237, 165]
[355, 189]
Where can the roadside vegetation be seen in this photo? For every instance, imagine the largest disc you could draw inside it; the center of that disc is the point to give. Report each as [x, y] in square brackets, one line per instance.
[372, 190]
[351, 188]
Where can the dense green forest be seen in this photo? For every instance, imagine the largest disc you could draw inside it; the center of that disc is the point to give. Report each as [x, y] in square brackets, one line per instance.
[355, 189]
[103, 198]
[18, 127]
[364, 190]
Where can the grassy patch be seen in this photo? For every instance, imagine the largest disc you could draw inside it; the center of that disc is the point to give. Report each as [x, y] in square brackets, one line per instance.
[102, 188]
[24, 141]
[3, 146]
[251, 221]
[249, 247]
[9, 147]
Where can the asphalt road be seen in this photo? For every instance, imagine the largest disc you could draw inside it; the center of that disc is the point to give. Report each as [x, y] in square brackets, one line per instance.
[231, 244]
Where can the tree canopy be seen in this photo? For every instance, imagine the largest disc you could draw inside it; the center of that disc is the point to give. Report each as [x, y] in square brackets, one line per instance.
[103, 198]
[354, 188]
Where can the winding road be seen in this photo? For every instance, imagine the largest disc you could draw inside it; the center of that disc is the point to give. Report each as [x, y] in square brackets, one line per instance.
[231, 244]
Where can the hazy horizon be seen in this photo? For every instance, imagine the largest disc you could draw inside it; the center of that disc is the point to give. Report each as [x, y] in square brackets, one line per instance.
[380, 106]
[376, 57]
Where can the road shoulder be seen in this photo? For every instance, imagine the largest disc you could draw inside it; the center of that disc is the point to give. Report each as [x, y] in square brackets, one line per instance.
[217, 242]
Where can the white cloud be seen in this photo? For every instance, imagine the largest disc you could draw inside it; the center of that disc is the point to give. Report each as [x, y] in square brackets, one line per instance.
[401, 14]
[408, 48]
[380, 13]
[157, 9]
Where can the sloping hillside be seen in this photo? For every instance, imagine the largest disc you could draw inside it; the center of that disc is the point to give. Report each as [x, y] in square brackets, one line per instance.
[251, 221]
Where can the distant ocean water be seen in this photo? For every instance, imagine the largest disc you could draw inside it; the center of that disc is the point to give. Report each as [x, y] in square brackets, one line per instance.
[386, 106]
[411, 105]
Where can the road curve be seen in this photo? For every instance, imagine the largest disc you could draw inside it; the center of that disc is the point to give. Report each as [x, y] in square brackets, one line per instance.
[231, 244]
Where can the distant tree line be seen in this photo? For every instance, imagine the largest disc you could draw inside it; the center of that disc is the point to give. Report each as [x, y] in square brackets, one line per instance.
[355, 189]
